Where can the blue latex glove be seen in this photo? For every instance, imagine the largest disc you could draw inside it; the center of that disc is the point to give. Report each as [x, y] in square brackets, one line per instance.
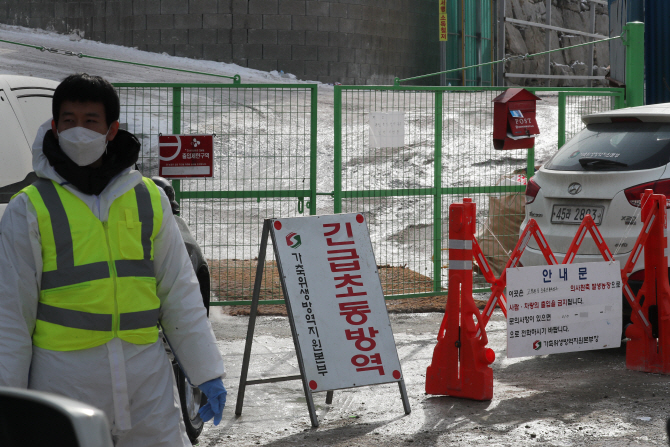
[216, 400]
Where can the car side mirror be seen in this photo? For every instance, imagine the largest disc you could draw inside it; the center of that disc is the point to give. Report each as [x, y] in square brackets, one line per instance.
[30, 417]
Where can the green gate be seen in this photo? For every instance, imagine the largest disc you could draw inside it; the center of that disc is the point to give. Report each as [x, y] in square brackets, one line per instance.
[264, 166]
[447, 155]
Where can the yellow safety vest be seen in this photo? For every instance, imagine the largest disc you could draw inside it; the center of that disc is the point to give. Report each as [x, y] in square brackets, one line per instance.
[98, 278]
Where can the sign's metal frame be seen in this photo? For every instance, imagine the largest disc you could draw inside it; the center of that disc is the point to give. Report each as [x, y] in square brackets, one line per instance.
[269, 231]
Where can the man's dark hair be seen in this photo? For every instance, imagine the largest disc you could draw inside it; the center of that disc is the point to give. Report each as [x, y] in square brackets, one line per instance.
[82, 87]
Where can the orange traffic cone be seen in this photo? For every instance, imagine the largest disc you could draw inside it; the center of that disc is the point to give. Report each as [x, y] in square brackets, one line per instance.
[461, 360]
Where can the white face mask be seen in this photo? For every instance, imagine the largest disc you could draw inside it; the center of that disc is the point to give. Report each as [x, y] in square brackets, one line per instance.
[83, 146]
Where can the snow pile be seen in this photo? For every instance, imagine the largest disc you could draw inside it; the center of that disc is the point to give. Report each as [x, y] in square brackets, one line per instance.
[121, 72]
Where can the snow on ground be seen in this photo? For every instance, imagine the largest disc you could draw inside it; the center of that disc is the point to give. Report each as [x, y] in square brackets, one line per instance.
[57, 67]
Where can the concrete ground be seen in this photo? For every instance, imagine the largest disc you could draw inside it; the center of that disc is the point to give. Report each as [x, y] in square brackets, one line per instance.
[573, 399]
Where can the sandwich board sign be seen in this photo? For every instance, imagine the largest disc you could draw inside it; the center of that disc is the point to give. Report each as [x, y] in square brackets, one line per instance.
[185, 156]
[563, 308]
[336, 308]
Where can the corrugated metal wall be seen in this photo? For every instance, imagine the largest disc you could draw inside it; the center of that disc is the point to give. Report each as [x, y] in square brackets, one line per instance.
[469, 26]
[617, 10]
[656, 17]
[657, 51]
[621, 12]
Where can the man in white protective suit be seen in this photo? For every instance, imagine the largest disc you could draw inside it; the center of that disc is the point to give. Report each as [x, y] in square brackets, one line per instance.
[91, 260]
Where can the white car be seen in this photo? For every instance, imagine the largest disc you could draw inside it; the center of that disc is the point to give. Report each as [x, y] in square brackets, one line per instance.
[602, 171]
[25, 103]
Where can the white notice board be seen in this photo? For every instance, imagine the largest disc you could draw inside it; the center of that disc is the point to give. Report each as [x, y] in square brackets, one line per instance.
[563, 308]
[336, 301]
[386, 129]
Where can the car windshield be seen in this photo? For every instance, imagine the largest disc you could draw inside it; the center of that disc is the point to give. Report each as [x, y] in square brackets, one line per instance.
[627, 146]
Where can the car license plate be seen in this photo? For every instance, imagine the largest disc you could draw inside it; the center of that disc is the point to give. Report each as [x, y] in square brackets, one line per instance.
[570, 214]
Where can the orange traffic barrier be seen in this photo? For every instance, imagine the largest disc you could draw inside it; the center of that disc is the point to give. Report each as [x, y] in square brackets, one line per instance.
[460, 364]
[650, 350]
[461, 360]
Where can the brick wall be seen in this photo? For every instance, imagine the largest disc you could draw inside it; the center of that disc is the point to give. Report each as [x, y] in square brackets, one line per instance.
[347, 41]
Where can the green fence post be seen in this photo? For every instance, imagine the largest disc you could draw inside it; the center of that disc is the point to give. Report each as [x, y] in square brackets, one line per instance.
[634, 43]
[312, 151]
[437, 205]
[337, 162]
[561, 119]
[619, 101]
[176, 129]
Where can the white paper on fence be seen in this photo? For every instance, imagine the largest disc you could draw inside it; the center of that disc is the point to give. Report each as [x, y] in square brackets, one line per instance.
[387, 129]
[563, 308]
[306, 255]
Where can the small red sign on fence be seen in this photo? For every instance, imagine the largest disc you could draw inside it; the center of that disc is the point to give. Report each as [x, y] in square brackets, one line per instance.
[186, 156]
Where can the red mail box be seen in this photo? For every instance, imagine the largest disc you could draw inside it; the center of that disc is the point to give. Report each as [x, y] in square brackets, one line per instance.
[514, 123]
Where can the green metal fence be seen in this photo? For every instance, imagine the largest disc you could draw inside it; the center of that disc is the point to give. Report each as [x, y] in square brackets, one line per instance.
[264, 166]
[447, 155]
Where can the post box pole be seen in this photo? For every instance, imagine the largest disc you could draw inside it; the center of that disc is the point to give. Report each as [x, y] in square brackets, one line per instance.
[530, 162]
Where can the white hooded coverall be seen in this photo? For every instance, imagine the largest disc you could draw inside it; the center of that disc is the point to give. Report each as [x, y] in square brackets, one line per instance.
[133, 384]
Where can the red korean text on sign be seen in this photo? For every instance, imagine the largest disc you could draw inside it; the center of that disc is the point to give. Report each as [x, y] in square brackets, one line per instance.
[344, 263]
[186, 156]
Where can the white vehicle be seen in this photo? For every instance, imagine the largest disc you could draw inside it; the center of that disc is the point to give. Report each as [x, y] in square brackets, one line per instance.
[25, 104]
[602, 171]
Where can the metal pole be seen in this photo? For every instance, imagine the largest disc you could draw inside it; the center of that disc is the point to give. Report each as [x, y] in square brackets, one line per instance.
[491, 36]
[561, 119]
[619, 101]
[530, 162]
[312, 150]
[592, 17]
[443, 47]
[634, 63]
[437, 198]
[403, 396]
[500, 79]
[547, 39]
[478, 36]
[443, 63]
[252, 316]
[176, 130]
[463, 73]
[337, 155]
